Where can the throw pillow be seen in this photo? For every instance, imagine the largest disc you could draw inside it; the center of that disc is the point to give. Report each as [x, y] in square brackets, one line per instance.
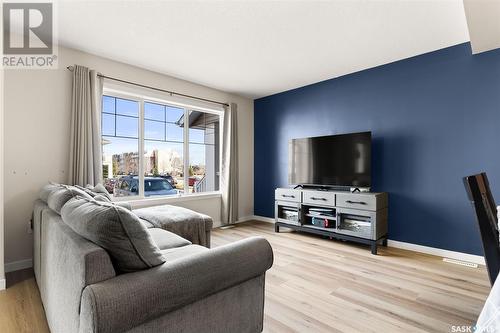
[46, 190]
[115, 229]
[100, 189]
[103, 198]
[62, 194]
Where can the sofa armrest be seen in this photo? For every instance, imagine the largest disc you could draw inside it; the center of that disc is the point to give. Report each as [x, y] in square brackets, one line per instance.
[68, 264]
[128, 300]
[191, 225]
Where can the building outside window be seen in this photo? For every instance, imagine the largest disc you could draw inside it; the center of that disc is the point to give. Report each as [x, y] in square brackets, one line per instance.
[151, 148]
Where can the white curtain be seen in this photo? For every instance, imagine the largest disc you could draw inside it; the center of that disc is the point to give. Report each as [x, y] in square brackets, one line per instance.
[229, 170]
[85, 165]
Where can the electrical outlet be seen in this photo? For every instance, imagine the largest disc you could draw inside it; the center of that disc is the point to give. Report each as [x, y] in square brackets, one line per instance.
[30, 229]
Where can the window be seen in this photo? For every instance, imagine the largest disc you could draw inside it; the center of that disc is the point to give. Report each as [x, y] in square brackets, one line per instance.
[120, 145]
[203, 151]
[164, 146]
[151, 148]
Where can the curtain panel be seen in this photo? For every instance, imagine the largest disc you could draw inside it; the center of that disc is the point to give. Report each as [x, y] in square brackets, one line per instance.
[229, 168]
[85, 164]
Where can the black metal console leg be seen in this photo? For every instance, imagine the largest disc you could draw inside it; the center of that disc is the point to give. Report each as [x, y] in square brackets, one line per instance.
[374, 248]
[276, 228]
[384, 242]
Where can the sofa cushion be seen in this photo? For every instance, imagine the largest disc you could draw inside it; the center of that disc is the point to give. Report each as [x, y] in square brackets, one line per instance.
[100, 197]
[184, 222]
[46, 190]
[166, 239]
[103, 198]
[146, 223]
[100, 189]
[115, 229]
[62, 194]
[87, 190]
[182, 252]
[93, 191]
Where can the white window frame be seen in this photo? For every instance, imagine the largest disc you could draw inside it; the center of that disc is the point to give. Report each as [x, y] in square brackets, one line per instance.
[141, 96]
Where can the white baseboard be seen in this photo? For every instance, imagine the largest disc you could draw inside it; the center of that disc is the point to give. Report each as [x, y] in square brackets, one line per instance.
[18, 265]
[412, 247]
[2, 284]
[218, 224]
[262, 218]
[250, 218]
[437, 252]
[244, 219]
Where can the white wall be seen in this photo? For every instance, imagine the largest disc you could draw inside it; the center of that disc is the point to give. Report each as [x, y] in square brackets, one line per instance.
[483, 21]
[2, 271]
[37, 119]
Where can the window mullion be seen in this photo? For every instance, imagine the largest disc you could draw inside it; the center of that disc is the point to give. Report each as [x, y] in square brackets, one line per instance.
[141, 148]
[221, 152]
[186, 151]
[115, 115]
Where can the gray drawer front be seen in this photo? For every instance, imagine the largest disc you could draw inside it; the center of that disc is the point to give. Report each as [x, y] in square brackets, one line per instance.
[366, 230]
[284, 205]
[360, 234]
[357, 201]
[291, 195]
[318, 198]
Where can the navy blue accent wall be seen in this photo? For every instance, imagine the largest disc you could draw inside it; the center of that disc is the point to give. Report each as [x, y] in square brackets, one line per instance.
[434, 119]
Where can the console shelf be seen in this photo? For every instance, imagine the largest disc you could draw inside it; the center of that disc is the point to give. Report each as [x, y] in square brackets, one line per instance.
[357, 217]
[316, 227]
[320, 216]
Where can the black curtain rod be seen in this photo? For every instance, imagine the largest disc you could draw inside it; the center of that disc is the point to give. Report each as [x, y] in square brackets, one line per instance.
[70, 68]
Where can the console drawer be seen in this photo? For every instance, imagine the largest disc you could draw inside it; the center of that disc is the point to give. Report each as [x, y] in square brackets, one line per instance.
[291, 195]
[358, 201]
[318, 198]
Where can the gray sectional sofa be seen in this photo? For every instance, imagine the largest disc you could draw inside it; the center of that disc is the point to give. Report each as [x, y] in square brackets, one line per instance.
[196, 289]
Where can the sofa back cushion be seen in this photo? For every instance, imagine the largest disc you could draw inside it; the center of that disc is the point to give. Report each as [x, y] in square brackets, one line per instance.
[46, 190]
[93, 191]
[100, 189]
[103, 198]
[61, 194]
[115, 229]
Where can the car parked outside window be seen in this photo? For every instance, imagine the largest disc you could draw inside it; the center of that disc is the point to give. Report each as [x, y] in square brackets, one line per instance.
[128, 185]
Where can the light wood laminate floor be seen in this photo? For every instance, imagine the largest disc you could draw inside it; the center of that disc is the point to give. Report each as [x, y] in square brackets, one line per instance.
[319, 285]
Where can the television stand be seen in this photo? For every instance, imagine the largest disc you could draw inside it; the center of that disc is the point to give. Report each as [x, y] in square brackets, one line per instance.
[357, 217]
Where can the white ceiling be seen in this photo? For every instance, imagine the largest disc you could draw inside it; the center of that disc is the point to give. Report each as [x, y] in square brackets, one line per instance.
[257, 48]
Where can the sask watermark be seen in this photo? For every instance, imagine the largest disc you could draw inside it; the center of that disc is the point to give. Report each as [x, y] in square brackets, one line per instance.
[29, 35]
[462, 328]
[474, 329]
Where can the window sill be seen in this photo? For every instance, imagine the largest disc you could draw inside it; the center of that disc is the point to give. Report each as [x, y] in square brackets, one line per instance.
[147, 202]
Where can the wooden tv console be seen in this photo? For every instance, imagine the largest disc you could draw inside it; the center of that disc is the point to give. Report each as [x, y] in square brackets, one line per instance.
[357, 217]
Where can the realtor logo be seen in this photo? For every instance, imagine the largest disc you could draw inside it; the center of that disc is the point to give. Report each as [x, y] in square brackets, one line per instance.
[28, 35]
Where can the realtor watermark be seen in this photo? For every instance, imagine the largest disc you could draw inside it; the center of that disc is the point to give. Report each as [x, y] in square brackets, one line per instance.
[29, 35]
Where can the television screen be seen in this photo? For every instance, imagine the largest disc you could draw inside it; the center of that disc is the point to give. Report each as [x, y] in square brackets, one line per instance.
[335, 160]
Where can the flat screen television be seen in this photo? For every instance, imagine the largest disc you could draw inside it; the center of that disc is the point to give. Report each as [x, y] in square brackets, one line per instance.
[336, 160]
